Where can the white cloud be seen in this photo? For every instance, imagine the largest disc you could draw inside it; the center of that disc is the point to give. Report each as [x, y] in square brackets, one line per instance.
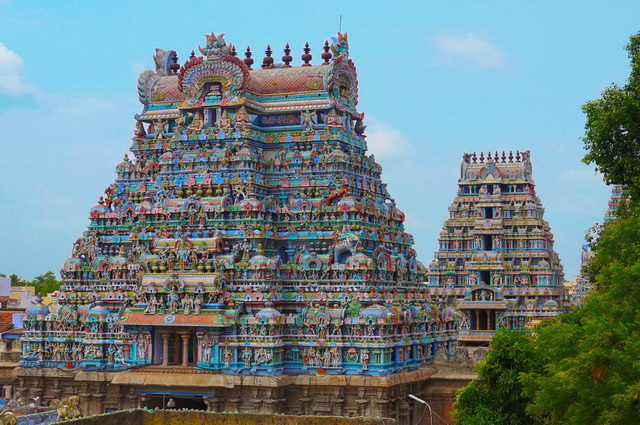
[386, 142]
[12, 79]
[471, 48]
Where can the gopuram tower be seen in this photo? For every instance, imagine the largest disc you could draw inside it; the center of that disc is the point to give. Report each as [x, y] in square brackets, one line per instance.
[617, 196]
[496, 261]
[246, 249]
[583, 285]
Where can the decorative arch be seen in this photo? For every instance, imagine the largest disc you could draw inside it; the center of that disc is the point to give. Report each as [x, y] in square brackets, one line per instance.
[230, 72]
[341, 81]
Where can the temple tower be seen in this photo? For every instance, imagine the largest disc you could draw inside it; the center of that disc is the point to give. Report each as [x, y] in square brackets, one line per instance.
[250, 243]
[583, 285]
[617, 195]
[496, 256]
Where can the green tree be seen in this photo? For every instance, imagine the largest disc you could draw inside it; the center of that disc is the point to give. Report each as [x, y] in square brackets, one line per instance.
[612, 129]
[497, 396]
[46, 283]
[592, 373]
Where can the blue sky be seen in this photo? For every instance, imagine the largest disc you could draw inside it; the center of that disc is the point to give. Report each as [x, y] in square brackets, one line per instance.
[436, 79]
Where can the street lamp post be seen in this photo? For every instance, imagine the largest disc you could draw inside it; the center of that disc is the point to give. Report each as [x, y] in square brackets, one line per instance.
[421, 401]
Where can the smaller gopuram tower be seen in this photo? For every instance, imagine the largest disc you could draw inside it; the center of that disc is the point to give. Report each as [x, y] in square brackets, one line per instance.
[496, 257]
[584, 285]
[617, 195]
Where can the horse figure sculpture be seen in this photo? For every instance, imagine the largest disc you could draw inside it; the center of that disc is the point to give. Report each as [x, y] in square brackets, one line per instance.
[69, 409]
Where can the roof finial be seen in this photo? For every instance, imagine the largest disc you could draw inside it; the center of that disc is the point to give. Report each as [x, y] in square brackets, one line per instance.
[247, 58]
[193, 55]
[306, 56]
[510, 156]
[175, 66]
[287, 58]
[267, 62]
[326, 55]
[234, 52]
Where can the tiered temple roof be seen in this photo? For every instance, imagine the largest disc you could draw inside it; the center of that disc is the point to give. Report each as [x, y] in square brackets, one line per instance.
[249, 234]
[496, 256]
[617, 195]
[583, 284]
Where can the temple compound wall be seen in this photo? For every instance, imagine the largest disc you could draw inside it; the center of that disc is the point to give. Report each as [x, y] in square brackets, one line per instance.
[247, 257]
[145, 417]
[342, 395]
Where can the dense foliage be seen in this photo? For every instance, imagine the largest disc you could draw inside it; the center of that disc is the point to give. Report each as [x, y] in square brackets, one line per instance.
[584, 365]
[612, 129]
[496, 398]
[591, 373]
[44, 283]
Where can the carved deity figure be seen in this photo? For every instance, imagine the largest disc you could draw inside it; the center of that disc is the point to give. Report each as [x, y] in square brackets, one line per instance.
[160, 126]
[306, 119]
[227, 356]
[364, 356]
[197, 303]
[197, 123]
[187, 303]
[174, 301]
[143, 341]
[247, 355]
[207, 347]
[225, 120]
[151, 305]
[261, 356]
[333, 120]
[336, 357]
[242, 118]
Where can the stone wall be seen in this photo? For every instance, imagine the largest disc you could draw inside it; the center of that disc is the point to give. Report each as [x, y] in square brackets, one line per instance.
[180, 417]
[348, 396]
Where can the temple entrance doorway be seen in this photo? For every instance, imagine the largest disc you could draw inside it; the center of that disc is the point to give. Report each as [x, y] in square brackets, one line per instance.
[173, 401]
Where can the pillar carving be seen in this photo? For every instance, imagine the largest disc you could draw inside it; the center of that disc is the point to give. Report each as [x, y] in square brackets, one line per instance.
[165, 347]
[185, 347]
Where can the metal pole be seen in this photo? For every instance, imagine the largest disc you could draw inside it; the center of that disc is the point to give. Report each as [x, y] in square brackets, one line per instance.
[421, 401]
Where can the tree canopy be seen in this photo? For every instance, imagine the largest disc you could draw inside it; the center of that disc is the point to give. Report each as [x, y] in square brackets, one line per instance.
[496, 397]
[612, 129]
[44, 283]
